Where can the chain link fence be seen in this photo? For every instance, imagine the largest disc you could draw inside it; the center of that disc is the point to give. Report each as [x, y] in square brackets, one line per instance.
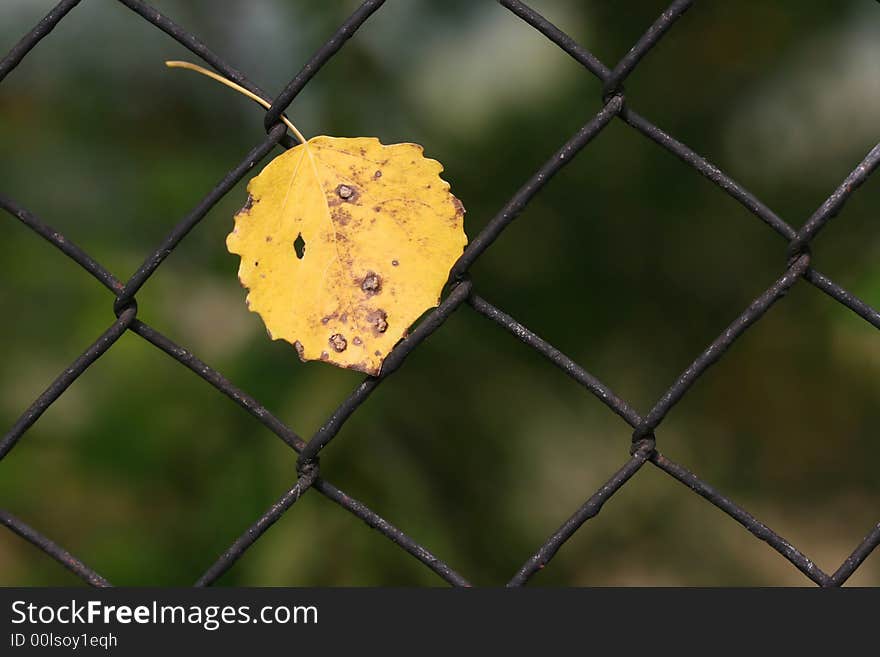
[461, 292]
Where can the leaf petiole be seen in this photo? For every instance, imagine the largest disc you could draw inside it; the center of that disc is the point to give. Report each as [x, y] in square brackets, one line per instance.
[232, 85]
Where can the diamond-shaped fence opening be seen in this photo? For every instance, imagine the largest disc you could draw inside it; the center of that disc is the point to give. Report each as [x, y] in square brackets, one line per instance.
[461, 293]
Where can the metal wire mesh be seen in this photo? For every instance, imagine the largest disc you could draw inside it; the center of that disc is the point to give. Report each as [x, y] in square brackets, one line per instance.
[461, 292]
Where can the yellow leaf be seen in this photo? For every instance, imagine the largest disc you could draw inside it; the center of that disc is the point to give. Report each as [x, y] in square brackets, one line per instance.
[344, 243]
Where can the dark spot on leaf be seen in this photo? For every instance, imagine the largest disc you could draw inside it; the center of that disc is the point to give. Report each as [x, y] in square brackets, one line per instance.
[346, 192]
[377, 352]
[338, 342]
[371, 284]
[248, 204]
[299, 246]
[324, 355]
[378, 174]
[394, 263]
[459, 207]
[299, 350]
[378, 319]
[358, 341]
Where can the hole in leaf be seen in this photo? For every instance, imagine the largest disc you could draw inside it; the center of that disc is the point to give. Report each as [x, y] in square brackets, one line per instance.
[299, 245]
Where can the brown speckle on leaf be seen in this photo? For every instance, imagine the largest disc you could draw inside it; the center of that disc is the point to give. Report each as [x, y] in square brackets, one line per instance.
[459, 207]
[338, 342]
[299, 350]
[324, 355]
[394, 263]
[248, 204]
[341, 216]
[378, 174]
[378, 319]
[357, 341]
[268, 238]
[345, 192]
[371, 284]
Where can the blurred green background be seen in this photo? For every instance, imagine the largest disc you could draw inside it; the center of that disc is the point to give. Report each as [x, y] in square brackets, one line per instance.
[628, 261]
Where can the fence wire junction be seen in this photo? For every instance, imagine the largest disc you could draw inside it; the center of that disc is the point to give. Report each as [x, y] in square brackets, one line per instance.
[460, 292]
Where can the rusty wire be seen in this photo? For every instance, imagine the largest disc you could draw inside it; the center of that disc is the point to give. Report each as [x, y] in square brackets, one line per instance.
[460, 292]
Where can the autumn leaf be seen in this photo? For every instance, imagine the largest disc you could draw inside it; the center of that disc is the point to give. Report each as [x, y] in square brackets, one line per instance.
[344, 243]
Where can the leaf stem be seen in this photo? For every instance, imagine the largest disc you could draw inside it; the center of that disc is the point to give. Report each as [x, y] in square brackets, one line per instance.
[232, 85]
